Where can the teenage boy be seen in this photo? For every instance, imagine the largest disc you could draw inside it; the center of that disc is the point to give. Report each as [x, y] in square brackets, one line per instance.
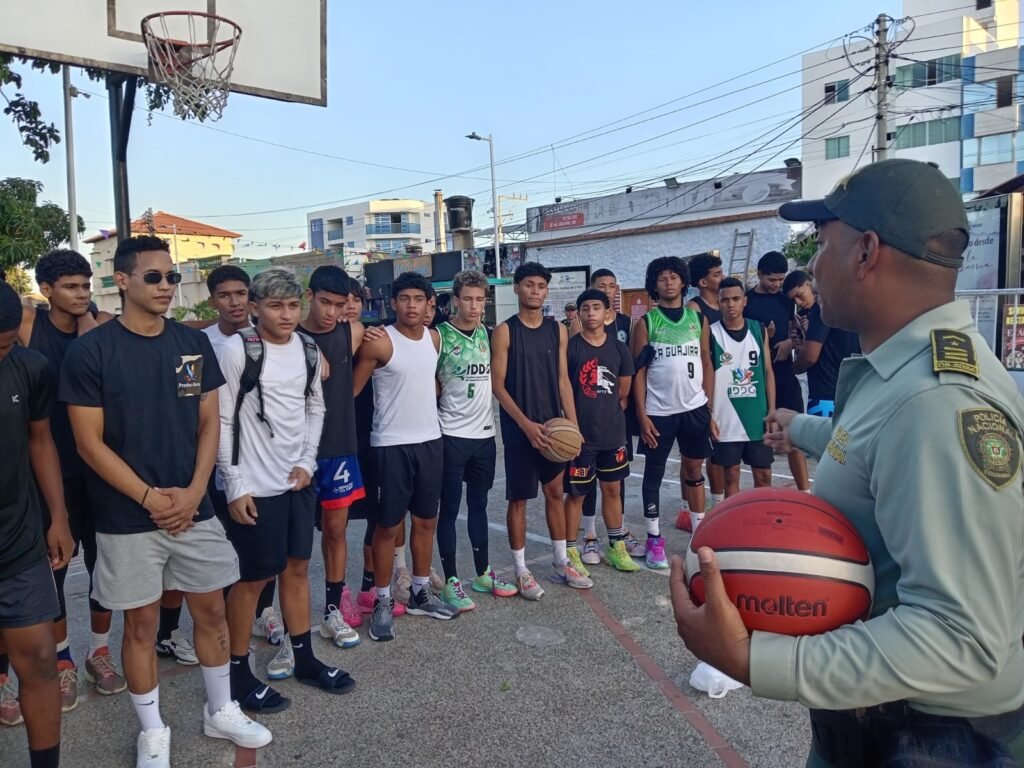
[467, 432]
[744, 390]
[673, 391]
[818, 349]
[30, 553]
[705, 274]
[339, 480]
[601, 371]
[270, 429]
[531, 383]
[137, 390]
[767, 304]
[407, 446]
[64, 279]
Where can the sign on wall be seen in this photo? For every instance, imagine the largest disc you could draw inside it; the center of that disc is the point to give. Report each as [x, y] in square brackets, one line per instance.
[567, 283]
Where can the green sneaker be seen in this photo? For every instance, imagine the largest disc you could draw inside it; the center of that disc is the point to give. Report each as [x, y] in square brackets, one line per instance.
[576, 562]
[617, 557]
[488, 582]
[453, 596]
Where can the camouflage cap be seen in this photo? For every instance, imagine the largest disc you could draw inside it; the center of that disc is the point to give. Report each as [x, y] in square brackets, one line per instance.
[904, 202]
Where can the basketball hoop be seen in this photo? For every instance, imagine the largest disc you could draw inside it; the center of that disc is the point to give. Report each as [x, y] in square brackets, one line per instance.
[193, 54]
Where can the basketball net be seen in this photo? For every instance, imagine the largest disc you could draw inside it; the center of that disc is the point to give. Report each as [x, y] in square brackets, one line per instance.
[193, 54]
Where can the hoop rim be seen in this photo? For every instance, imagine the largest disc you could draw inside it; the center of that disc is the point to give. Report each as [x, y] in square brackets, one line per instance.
[144, 23]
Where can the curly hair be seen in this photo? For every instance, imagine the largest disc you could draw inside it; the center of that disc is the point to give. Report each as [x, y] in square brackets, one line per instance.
[61, 263]
[663, 264]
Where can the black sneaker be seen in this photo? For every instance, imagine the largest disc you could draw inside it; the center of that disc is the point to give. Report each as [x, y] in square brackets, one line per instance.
[382, 623]
[426, 603]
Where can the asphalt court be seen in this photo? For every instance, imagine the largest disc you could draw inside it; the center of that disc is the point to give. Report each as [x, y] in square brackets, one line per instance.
[597, 676]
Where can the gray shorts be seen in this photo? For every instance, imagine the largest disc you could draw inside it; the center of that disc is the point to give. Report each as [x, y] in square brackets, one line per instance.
[134, 569]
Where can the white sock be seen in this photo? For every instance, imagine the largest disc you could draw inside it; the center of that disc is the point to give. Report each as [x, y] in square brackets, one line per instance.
[809, 491]
[519, 555]
[147, 709]
[717, 498]
[560, 554]
[63, 644]
[590, 527]
[400, 558]
[653, 526]
[696, 518]
[218, 686]
[419, 583]
[97, 641]
[384, 593]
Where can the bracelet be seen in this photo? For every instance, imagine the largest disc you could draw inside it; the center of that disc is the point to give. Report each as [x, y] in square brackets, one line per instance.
[143, 502]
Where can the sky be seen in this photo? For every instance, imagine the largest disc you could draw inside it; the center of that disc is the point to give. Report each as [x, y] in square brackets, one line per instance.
[581, 98]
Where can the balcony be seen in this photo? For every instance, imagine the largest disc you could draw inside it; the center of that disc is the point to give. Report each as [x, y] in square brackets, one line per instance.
[406, 228]
[333, 235]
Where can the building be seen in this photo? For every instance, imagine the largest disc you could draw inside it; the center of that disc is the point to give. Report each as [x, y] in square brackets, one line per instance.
[953, 98]
[737, 216]
[372, 226]
[195, 249]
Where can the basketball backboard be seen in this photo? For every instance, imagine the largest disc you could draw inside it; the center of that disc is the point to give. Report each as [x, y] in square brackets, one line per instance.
[282, 53]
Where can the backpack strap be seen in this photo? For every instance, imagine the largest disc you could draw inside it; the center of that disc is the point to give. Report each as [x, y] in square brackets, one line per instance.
[250, 379]
[312, 353]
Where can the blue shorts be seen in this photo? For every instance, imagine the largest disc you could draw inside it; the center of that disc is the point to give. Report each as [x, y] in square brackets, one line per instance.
[339, 482]
[821, 407]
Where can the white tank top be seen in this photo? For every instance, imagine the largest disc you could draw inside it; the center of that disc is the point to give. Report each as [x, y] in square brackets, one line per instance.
[404, 400]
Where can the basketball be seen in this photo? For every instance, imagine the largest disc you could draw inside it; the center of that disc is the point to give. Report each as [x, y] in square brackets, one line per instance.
[566, 440]
[791, 563]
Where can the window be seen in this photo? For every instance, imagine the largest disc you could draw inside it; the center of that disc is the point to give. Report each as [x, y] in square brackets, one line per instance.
[911, 135]
[996, 149]
[837, 91]
[931, 72]
[335, 234]
[316, 234]
[1004, 91]
[350, 243]
[981, 5]
[943, 130]
[348, 221]
[836, 147]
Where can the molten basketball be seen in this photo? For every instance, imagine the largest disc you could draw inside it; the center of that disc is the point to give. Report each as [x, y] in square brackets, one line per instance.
[565, 438]
[791, 563]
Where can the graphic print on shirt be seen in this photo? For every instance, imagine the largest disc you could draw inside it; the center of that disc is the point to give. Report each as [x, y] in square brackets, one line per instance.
[675, 376]
[464, 372]
[595, 378]
[189, 373]
[741, 400]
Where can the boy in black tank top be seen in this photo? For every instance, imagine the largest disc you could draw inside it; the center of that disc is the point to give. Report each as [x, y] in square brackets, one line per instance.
[64, 279]
[530, 380]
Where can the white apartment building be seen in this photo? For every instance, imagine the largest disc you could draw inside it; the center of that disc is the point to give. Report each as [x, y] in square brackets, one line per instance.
[377, 226]
[954, 97]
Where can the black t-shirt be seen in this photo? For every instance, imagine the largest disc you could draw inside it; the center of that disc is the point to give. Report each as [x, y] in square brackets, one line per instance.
[339, 434]
[836, 346]
[26, 394]
[148, 388]
[52, 343]
[620, 327]
[594, 373]
[767, 308]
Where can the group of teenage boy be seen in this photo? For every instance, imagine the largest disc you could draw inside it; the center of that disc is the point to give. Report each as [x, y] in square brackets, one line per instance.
[317, 420]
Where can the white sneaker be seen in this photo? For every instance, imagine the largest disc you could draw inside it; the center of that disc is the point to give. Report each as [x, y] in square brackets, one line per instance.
[335, 629]
[283, 664]
[230, 723]
[436, 582]
[269, 626]
[153, 748]
[178, 647]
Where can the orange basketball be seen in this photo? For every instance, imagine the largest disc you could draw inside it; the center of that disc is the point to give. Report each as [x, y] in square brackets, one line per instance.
[791, 563]
[566, 440]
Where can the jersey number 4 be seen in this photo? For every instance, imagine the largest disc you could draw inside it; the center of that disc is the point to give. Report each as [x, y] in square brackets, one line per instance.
[341, 475]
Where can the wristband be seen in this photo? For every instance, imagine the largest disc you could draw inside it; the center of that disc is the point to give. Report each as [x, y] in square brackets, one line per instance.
[143, 502]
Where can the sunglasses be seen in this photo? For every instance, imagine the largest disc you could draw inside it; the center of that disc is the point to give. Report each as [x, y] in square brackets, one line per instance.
[155, 278]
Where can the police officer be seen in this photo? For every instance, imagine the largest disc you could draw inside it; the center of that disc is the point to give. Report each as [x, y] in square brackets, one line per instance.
[923, 456]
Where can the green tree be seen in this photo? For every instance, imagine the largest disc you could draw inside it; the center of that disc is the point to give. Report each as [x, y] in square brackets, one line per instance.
[202, 310]
[36, 133]
[19, 280]
[801, 248]
[29, 229]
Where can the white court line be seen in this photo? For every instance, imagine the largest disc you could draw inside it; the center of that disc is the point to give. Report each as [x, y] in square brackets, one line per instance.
[498, 527]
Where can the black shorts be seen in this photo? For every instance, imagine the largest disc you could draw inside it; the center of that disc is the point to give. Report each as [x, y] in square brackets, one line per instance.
[608, 466]
[691, 430]
[284, 529]
[410, 481]
[525, 467]
[473, 459]
[787, 389]
[29, 597]
[367, 507]
[753, 453]
[81, 515]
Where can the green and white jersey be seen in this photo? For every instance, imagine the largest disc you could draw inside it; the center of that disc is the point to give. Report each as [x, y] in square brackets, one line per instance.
[675, 378]
[464, 371]
[741, 401]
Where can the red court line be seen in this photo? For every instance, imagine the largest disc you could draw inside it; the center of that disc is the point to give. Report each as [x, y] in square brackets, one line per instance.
[659, 677]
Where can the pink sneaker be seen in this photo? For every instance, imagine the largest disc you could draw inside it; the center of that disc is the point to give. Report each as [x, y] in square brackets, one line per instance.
[349, 611]
[364, 604]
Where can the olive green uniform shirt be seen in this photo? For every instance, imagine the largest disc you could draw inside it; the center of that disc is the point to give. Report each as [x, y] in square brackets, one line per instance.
[926, 465]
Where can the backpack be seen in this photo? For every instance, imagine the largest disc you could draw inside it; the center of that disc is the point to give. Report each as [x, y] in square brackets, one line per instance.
[254, 353]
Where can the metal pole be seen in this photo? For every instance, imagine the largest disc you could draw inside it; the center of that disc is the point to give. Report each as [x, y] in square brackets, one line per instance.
[177, 265]
[122, 222]
[497, 213]
[69, 141]
[882, 88]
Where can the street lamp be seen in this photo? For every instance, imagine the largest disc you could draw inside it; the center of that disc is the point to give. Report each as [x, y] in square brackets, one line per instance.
[494, 201]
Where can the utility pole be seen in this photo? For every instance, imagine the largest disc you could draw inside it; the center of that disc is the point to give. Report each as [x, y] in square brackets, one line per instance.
[69, 143]
[881, 87]
[521, 198]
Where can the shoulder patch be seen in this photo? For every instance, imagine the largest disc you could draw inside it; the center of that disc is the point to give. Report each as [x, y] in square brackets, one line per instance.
[991, 445]
[954, 351]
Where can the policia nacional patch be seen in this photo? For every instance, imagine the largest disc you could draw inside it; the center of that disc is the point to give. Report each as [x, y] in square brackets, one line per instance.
[954, 351]
[990, 444]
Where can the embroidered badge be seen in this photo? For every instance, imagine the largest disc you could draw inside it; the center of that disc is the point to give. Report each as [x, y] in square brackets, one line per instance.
[954, 351]
[991, 445]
